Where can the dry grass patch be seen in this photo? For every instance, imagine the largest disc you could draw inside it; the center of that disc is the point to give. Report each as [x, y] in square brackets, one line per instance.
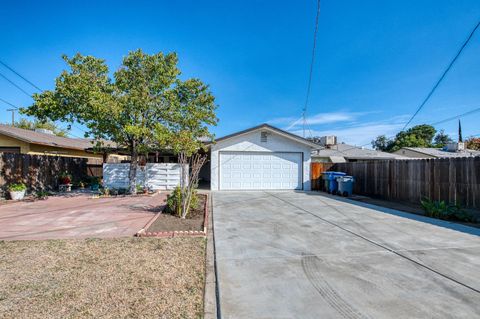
[102, 278]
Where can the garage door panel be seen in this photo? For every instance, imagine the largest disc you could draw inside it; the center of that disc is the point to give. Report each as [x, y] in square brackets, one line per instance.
[250, 170]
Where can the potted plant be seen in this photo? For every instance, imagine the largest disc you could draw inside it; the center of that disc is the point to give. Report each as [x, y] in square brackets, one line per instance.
[17, 191]
[65, 181]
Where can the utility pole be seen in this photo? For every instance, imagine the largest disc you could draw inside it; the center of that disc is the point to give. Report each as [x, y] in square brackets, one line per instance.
[13, 115]
[460, 138]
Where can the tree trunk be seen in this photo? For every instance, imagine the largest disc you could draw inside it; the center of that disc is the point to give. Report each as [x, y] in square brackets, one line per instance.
[189, 179]
[133, 169]
[183, 161]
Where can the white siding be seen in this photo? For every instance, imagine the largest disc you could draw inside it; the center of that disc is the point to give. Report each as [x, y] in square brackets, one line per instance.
[250, 142]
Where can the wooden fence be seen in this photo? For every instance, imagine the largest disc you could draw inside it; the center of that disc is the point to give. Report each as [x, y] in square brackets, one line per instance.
[316, 170]
[449, 179]
[42, 171]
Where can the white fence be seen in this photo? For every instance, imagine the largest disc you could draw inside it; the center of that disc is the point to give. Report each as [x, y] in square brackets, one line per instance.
[155, 176]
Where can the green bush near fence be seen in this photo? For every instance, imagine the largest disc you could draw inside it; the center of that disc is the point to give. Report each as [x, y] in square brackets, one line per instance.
[445, 211]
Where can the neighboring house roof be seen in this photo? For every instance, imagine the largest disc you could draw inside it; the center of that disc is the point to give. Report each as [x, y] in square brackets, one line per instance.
[438, 152]
[273, 129]
[354, 152]
[46, 139]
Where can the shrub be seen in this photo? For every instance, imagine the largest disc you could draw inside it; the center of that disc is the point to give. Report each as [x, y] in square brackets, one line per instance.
[174, 202]
[17, 187]
[94, 180]
[42, 194]
[442, 210]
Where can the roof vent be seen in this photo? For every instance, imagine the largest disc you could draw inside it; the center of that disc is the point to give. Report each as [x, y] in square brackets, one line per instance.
[263, 136]
[44, 131]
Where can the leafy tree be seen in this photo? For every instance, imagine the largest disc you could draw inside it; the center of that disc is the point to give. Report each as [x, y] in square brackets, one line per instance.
[473, 143]
[382, 143]
[48, 125]
[136, 108]
[441, 139]
[193, 109]
[417, 136]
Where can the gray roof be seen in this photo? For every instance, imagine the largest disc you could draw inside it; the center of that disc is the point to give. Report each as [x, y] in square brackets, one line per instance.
[354, 152]
[438, 152]
[33, 137]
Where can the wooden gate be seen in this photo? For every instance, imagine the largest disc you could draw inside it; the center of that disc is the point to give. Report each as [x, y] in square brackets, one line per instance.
[316, 170]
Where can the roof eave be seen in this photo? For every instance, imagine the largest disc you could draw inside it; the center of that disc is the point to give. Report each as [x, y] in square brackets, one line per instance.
[271, 128]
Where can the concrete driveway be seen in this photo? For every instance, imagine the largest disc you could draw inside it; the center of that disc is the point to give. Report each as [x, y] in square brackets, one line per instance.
[306, 255]
[77, 216]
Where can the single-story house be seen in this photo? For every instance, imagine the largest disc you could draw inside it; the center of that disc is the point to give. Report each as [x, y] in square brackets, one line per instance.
[44, 142]
[261, 157]
[431, 152]
[341, 153]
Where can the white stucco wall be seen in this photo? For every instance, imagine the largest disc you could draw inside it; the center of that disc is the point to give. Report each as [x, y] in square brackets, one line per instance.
[250, 142]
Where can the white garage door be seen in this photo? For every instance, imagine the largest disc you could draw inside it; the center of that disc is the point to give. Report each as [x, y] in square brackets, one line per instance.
[254, 170]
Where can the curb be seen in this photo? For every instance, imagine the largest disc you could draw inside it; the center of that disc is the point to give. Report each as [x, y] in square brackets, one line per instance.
[210, 300]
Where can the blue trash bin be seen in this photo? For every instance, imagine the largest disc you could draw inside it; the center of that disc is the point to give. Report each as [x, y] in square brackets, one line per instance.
[345, 185]
[332, 181]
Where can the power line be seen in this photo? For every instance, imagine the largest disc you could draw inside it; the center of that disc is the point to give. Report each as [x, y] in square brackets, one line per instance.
[6, 102]
[15, 85]
[443, 75]
[21, 76]
[457, 116]
[433, 124]
[304, 110]
[28, 81]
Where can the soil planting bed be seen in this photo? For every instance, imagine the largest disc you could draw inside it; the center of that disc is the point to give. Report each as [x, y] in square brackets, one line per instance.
[165, 222]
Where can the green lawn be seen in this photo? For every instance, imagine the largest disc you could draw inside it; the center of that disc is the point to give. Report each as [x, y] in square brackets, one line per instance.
[102, 278]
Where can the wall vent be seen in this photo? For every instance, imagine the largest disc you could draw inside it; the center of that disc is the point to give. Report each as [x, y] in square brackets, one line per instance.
[263, 137]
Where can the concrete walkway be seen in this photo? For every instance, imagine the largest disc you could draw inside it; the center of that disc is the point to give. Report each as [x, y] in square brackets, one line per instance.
[77, 216]
[306, 255]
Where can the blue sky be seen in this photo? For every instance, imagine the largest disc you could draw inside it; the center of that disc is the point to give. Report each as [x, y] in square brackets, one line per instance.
[376, 60]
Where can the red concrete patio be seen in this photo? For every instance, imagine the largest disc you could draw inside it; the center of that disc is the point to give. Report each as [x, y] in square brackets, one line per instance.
[77, 216]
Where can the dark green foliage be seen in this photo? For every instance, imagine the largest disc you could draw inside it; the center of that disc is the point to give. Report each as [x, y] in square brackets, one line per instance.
[42, 194]
[441, 139]
[17, 187]
[417, 136]
[442, 210]
[93, 180]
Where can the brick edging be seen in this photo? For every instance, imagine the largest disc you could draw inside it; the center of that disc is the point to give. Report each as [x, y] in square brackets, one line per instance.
[176, 233]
